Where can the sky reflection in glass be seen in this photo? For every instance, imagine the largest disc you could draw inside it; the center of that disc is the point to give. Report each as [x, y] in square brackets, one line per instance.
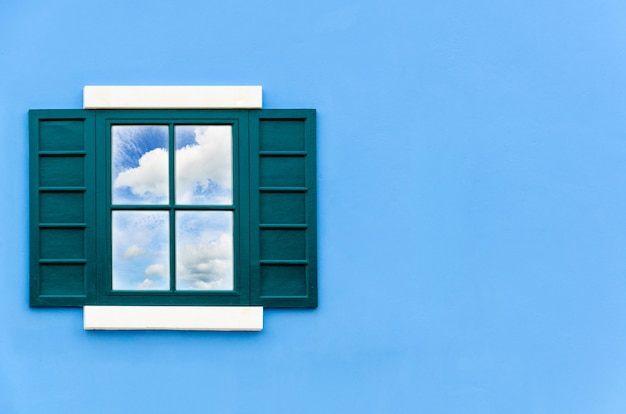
[203, 175]
[204, 250]
[140, 164]
[204, 164]
[141, 251]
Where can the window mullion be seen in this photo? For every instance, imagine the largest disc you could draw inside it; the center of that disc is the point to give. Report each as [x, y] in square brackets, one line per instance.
[172, 204]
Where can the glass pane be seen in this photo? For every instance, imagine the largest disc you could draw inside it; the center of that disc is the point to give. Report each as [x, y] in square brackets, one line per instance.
[204, 164]
[141, 250]
[139, 154]
[204, 250]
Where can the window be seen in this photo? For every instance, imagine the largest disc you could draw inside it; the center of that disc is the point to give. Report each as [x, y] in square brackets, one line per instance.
[173, 207]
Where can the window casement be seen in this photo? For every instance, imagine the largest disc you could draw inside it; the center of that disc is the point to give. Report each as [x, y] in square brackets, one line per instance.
[165, 207]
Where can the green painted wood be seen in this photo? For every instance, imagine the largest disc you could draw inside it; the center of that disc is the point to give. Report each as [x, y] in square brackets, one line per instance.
[62, 207]
[282, 171]
[238, 119]
[283, 208]
[62, 171]
[274, 205]
[282, 135]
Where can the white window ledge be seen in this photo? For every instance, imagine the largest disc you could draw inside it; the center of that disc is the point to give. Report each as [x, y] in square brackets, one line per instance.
[186, 318]
[172, 97]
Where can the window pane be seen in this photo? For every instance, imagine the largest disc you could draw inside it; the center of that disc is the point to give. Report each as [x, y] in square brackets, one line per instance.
[141, 250]
[204, 250]
[204, 164]
[139, 155]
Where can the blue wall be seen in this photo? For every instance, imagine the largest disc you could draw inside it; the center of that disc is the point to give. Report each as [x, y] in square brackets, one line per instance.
[472, 206]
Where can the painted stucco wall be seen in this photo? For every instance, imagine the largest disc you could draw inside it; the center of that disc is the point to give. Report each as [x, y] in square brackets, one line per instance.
[472, 206]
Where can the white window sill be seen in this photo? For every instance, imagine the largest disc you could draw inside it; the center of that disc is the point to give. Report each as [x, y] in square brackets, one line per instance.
[172, 97]
[186, 318]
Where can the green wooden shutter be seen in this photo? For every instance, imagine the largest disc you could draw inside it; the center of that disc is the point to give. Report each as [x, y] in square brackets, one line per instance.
[283, 208]
[62, 207]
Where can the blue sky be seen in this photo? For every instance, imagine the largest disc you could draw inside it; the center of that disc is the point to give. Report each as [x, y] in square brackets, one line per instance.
[203, 175]
[204, 250]
[204, 166]
[140, 250]
[203, 162]
[140, 164]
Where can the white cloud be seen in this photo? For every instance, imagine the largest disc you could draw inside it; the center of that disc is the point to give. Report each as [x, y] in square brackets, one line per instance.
[149, 180]
[146, 284]
[216, 285]
[155, 269]
[140, 249]
[206, 265]
[157, 279]
[133, 251]
[204, 170]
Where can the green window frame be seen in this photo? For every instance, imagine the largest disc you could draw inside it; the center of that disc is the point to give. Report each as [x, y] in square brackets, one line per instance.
[274, 207]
